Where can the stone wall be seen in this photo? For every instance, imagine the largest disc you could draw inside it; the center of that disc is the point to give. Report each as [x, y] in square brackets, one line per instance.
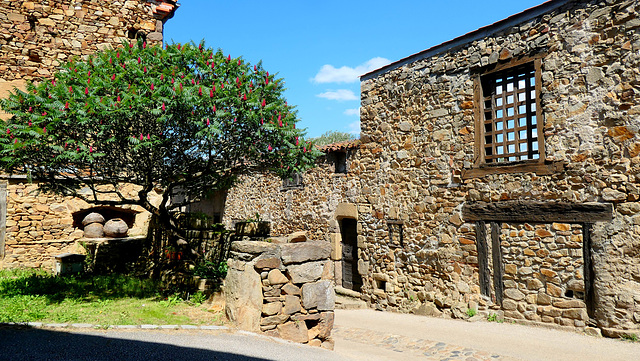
[41, 225]
[282, 290]
[309, 207]
[37, 37]
[418, 135]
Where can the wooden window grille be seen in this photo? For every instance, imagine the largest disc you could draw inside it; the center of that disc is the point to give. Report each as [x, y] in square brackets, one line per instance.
[511, 114]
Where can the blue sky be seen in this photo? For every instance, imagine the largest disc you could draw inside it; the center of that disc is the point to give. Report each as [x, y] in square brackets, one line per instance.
[320, 48]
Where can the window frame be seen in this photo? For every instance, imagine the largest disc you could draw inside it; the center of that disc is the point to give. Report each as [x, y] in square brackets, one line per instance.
[480, 166]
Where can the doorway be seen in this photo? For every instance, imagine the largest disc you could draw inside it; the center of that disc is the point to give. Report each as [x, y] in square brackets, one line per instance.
[351, 278]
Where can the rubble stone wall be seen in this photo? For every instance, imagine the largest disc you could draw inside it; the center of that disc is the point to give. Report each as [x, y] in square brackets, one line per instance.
[36, 37]
[309, 207]
[418, 138]
[40, 225]
[282, 290]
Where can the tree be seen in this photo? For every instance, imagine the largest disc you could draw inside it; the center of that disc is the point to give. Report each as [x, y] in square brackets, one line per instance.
[332, 136]
[181, 119]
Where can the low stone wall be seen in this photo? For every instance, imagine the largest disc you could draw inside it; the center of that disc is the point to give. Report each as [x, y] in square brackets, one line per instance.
[282, 290]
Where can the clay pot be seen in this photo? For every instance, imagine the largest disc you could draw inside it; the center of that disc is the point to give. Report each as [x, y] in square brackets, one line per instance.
[116, 228]
[93, 230]
[93, 217]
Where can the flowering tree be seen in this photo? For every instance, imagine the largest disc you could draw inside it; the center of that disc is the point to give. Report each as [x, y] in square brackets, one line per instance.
[181, 119]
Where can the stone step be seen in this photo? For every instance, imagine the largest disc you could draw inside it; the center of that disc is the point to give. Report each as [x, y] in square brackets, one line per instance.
[349, 300]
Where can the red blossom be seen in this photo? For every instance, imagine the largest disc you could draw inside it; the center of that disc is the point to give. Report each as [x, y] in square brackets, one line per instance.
[53, 82]
[86, 91]
[239, 62]
[200, 91]
[139, 60]
[66, 105]
[261, 121]
[29, 123]
[141, 136]
[244, 96]
[118, 99]
[30, 109]
[144, 45]
[269, 148]
[148, 136]
[152, 87]
[264, 102]
[163, 107]
[179, 46]
[161, 76]
[229, 58]
[130, 45]
[214, 108]
[297, 141]
[90, 149]
[208, 122]
[113, 77]
[145, 69]
[44, 129]
[118, 55]
[70, 89]
[211, 93]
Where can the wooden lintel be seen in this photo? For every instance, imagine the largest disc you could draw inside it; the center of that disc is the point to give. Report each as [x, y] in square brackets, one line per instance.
[537, 212]
[526, 167]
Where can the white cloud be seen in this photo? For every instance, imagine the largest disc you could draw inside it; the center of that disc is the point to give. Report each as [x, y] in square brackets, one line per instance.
[354, 128]
[355, 111]
[330, 74]
[339, 95]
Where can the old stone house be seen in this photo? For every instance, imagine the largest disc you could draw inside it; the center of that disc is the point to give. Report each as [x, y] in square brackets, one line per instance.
[498, 170]
[36, 37]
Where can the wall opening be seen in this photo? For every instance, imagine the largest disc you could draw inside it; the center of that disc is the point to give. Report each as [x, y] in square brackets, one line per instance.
[351, 278]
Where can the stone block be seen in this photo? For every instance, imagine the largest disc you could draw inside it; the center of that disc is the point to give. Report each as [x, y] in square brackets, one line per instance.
[325, 325]
[154, 36]
[510, 269]
[554, 290]
[294, 331]
[270, 309]
[514, 294]
[268, 262]
[297, 237]
[319, 295]
[243, 291]
[427, 309]
[569, 304]
[346, 210]
[576, 314]
[306, 272]
[509, 305]
[291, 304]
[291, 289]
[305, 252]
[252, 247]
[274, 320]
[335, 239]
[276, 277]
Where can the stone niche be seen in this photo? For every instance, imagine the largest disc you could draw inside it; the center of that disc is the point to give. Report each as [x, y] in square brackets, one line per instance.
[282, 290]
[105, 222]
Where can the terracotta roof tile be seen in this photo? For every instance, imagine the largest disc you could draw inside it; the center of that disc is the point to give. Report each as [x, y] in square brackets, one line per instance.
[340, 146]
[165, 9]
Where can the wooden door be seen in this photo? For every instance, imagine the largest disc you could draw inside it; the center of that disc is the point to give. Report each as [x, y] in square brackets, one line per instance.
[350, 277]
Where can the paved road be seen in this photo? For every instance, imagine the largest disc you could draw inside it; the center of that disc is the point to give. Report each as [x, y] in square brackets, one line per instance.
[371, 335]
[175, 345]
[364, 335]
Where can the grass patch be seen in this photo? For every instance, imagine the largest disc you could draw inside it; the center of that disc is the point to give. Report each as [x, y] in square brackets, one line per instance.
[35, 295]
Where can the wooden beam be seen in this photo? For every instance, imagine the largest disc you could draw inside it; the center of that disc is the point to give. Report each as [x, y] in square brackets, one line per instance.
[496, 254]
[483, 259]
[588, 273]
[537, 167]
[537, 212]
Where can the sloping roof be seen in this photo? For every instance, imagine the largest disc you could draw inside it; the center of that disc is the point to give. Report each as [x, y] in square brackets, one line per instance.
[165, 9]
[340, 146]
[471, 36]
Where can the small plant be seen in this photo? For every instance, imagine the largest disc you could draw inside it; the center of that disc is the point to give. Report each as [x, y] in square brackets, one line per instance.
[255, 218]
[198, 298]
[471, 312]
[632, 337]
[211, 270]
[494, 318]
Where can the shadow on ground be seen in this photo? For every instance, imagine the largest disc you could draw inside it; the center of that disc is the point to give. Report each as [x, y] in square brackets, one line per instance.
[24, 343]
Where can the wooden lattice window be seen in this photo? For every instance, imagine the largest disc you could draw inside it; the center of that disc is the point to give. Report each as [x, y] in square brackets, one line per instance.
[510, 115]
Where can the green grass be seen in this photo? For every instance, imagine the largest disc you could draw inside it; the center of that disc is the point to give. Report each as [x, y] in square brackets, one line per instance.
[35, 295]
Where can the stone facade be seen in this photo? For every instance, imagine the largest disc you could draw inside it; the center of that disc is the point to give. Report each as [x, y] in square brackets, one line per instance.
[282, 290]
[308, 205]
[419, 164]
[36, 37]
[41, 225]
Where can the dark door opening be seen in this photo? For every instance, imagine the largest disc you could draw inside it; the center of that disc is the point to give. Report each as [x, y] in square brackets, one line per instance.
[351, 278]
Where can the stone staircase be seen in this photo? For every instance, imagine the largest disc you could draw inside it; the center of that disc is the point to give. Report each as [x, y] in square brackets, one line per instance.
[349, 300]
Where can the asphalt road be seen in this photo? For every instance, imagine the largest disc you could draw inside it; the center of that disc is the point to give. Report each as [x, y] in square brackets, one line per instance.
[22, 344]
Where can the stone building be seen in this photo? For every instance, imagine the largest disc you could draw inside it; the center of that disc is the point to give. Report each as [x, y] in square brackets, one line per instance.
[36, 37]
[497, 171]
[321, 202]
[507, 162]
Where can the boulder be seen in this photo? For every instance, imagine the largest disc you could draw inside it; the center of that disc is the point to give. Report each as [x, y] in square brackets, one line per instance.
[297, 237]
[319, 295]
[243, 290]
[116, 228]
[93, 230]
[252, 247]
[305, 252]
[93, 217]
